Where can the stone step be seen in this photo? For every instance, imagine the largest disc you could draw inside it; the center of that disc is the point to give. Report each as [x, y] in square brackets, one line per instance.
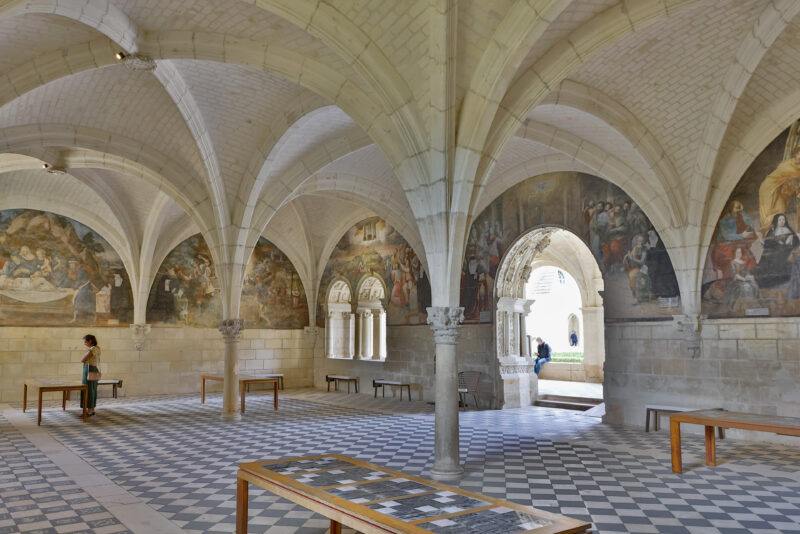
[571, 398]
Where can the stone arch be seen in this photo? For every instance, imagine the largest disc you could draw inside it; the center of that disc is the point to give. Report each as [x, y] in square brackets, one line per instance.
[371, 294]
[340, 321]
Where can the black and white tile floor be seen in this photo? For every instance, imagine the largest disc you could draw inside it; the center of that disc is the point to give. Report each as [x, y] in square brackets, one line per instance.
[175, 455]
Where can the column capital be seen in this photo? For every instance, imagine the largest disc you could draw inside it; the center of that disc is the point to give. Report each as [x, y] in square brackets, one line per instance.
[690, 325]
[444, 321]
[231, 329]
[139, 334]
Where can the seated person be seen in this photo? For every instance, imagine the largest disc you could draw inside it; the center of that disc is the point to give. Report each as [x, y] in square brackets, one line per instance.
[543, 355]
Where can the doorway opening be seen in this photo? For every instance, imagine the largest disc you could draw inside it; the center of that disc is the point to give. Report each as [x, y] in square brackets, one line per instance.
[548, 286]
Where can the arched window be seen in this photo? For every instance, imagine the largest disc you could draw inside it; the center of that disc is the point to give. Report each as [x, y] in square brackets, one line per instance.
[339, 322]
[371, 319]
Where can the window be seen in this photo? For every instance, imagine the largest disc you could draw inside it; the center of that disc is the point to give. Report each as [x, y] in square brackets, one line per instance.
[371, 319]
[339, 322]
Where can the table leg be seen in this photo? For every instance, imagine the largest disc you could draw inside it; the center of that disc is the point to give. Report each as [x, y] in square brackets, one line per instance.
[39, 421]
[357, 382]
[85, 401]
[63, 400]
[348, 387]
[241, 506]
[24, 398]
[336, 527]
[114, 390]
[647, 421]
[202, 391]
[656, 420]
[275, 386]
[329, 384]
[408, 391]
[383, 390]
[675, 442]
[721, 432]
[711, 447]
[242, 389]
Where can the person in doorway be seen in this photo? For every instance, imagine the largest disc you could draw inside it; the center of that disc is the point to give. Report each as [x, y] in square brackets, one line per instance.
[573, 339]
[543, 355]
[91, 363]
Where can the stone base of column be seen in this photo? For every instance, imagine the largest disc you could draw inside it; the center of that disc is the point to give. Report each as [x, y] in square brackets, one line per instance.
[447, 473]
[231, 417]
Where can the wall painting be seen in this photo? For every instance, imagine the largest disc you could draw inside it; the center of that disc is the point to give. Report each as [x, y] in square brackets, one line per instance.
[753, 262]
[640, 282]
[57, 271]
[374, 247]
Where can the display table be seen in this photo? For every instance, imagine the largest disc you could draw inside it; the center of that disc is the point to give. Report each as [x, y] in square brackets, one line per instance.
[789, 426]
[372, 499]
[244, 383]
[54, 384]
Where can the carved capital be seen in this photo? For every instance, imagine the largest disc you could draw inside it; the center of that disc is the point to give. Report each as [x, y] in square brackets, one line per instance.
[444, 321]
[139, 62]
[311, 331]
[231, 329]
[139, 335]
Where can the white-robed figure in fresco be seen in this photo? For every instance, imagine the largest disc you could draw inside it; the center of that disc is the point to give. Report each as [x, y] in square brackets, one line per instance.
[742, 287]
[779, 189]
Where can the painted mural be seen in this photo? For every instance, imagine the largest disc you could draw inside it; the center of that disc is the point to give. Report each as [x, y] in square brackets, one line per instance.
[273, 296]
[640, 282]
[186, 291]
[753, 262]
[374, 247]
[55, 270]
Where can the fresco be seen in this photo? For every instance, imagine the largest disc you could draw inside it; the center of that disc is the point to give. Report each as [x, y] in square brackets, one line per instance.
[273, 296]
[55, 270]
[186, 291]
[640, 282]
[373, 246]
[753, 262]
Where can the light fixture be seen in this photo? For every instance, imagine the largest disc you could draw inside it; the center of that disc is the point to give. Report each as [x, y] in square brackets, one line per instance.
[45, 166]
[121, 55]
[53, 170]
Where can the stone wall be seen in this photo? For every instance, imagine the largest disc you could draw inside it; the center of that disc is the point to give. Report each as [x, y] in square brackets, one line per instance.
[748, 365]
[171, 362]
[410, 352]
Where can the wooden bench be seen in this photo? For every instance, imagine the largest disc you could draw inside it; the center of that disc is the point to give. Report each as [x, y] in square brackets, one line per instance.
[371, 499]
[381, 383]
[113, 382]
[342, 378]
[789, 426]
[244, 384]
[45, 385]
[658, 409]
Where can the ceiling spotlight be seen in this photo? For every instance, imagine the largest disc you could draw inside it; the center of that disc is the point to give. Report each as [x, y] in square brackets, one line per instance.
[121, 55]
[45, 166]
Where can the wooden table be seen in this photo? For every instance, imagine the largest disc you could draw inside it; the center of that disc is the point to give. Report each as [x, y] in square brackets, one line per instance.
[54, 384]
[373, 499]
[381, 383]
[789, 426]
[244, 383]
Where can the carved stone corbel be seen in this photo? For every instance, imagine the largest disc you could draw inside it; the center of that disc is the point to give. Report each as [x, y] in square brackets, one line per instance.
[139, 334]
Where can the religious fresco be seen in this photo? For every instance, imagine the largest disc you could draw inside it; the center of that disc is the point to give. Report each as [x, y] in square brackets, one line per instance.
[753, 262]
[374, 247]
[273, 295]
[186, 291]
[640, 282]
[55, 270]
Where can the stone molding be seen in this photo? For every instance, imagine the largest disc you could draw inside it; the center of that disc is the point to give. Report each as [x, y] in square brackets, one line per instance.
[139, 335]
[139, 62]
[231, 329]
[444, 322]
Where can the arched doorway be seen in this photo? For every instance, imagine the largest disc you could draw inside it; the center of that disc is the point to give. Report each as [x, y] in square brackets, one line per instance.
[540, 247]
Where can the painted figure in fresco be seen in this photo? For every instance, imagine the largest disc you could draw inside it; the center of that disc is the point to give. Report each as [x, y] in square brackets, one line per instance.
[597, 230]
[742, 286]
[794, 280]
[121, 298]
[635, 262]
[774, 267]
[83, 301]
[164, 301]
[779, 189]
[616, 242]
[734, 231]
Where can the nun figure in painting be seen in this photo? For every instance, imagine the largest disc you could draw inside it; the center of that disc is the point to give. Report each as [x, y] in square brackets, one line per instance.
[743, 286]
[774, 268]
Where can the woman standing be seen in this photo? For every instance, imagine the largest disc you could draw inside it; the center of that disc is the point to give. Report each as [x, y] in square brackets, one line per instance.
[91, 362]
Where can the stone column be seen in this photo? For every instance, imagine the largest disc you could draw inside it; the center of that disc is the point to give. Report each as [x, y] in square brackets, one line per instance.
[444, 321]
[329, 350]
[525, 350]
[231, 329]
[366, 334]
[349, 332]
[594, 349]
[379, 338]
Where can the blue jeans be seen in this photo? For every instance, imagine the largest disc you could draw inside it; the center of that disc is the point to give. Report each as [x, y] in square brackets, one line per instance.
[537, 365]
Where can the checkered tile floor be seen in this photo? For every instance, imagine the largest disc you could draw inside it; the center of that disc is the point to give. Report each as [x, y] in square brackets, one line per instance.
[177, 456]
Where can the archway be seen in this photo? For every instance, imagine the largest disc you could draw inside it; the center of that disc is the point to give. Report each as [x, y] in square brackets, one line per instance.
[339, 321]
[554, 247]
[371, 317]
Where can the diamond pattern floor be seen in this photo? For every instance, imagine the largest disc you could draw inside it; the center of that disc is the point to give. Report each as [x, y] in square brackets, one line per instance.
[177, 456]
